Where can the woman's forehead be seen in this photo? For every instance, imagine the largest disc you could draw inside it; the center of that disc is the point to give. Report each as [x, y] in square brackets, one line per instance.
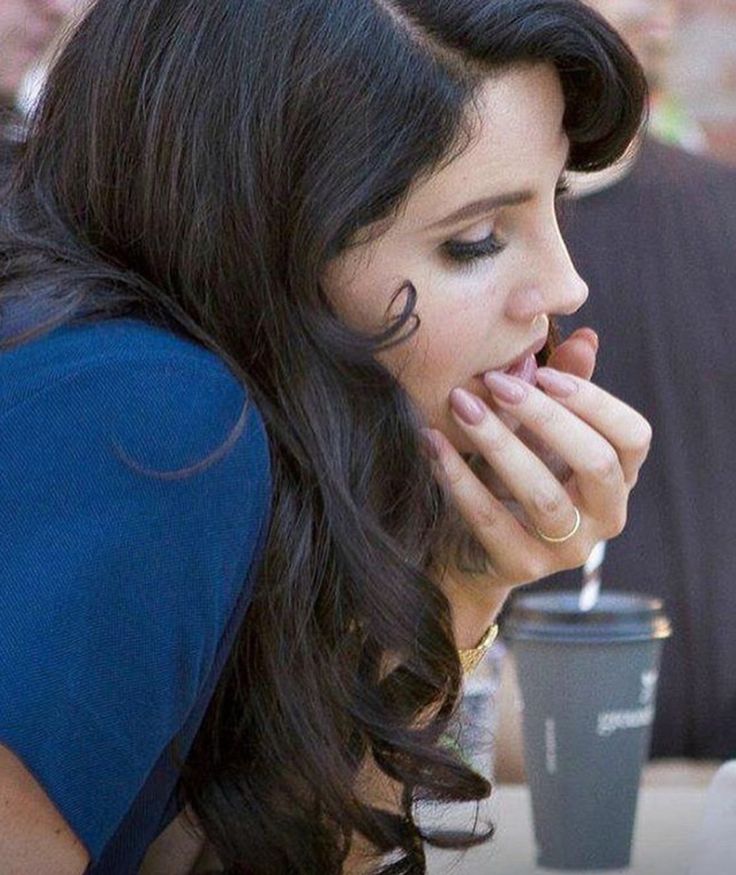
[517, 135]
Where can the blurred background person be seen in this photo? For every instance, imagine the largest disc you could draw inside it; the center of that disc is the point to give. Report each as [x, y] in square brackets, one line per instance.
[650, 28]
[655, 238]
[27, 30]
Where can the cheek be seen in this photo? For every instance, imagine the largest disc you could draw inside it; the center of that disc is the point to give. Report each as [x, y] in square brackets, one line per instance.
[453, 342]
[460, 318]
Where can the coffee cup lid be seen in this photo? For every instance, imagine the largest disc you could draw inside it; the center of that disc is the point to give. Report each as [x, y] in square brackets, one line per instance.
[617, 616]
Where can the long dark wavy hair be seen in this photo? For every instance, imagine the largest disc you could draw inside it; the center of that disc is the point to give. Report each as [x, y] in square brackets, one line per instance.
[197, 163]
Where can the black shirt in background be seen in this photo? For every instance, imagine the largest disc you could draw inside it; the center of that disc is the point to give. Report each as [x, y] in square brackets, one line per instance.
[658, 250]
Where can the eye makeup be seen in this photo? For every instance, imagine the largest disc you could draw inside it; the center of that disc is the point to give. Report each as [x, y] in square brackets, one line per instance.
[464, 253]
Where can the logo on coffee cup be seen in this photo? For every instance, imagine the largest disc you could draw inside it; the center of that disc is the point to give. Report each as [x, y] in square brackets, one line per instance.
[610, 721]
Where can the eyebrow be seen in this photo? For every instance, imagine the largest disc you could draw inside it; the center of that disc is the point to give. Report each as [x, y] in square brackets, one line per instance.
[485, 205]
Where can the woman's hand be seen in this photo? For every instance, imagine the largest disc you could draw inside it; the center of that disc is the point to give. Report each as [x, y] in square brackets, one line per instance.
[576, 355]
[601, 440]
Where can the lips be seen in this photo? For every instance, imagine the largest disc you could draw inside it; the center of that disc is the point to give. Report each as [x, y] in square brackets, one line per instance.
[524, 366]
[525, 370]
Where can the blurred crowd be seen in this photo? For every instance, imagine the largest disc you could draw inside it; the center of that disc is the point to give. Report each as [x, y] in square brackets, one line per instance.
[688, 48]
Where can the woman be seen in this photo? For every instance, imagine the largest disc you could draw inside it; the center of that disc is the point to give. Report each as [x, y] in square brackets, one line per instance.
[252, 249]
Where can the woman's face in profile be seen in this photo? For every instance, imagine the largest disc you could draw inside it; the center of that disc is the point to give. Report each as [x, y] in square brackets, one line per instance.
[480, 242]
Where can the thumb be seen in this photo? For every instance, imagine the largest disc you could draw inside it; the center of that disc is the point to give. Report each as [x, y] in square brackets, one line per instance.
[577, 354]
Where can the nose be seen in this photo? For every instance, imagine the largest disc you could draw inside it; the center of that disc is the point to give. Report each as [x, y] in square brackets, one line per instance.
[552, 287]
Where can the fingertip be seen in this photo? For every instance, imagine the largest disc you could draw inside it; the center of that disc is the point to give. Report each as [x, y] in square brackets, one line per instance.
[575, 356]
[590, 336]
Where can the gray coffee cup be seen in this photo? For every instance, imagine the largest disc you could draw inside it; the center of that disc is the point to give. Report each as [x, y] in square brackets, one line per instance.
[588, 684]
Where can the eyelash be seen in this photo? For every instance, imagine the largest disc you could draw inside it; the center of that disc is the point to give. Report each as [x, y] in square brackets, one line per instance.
[465, 255]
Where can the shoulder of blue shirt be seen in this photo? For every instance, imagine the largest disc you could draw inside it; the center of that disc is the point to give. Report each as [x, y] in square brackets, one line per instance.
[120, 573]
[143, 370]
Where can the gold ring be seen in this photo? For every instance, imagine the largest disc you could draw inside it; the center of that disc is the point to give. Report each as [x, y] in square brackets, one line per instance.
[564, 537]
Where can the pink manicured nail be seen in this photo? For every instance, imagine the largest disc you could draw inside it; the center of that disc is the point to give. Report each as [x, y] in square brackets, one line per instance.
[505, 388]
[467, 407]
[555, 383]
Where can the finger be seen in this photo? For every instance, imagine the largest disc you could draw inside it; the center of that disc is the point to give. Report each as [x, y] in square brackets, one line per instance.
[599, 474]
[597, 434]
[545, 501]
[577, 354]
[517, 555]
[626, 429]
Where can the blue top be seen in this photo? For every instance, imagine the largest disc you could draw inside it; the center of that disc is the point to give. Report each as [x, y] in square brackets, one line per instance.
[121, 590]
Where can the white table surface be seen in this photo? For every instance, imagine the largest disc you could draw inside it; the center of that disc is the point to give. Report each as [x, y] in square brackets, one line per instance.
[669, 814]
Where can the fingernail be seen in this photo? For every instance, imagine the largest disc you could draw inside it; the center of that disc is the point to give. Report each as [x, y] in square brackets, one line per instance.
[590, 336]
[468, 408]
[431, 443]
[505, 388]
[555, 383]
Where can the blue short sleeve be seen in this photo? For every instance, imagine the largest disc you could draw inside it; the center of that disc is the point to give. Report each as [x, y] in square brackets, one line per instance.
[116, 584]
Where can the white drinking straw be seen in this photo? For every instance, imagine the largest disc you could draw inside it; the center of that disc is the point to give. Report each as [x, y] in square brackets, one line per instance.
[592, 577]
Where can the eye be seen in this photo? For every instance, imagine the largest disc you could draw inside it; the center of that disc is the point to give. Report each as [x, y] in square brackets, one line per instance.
[466, 252]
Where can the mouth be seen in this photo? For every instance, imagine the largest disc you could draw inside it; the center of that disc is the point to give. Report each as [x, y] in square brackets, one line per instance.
[524, 366]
